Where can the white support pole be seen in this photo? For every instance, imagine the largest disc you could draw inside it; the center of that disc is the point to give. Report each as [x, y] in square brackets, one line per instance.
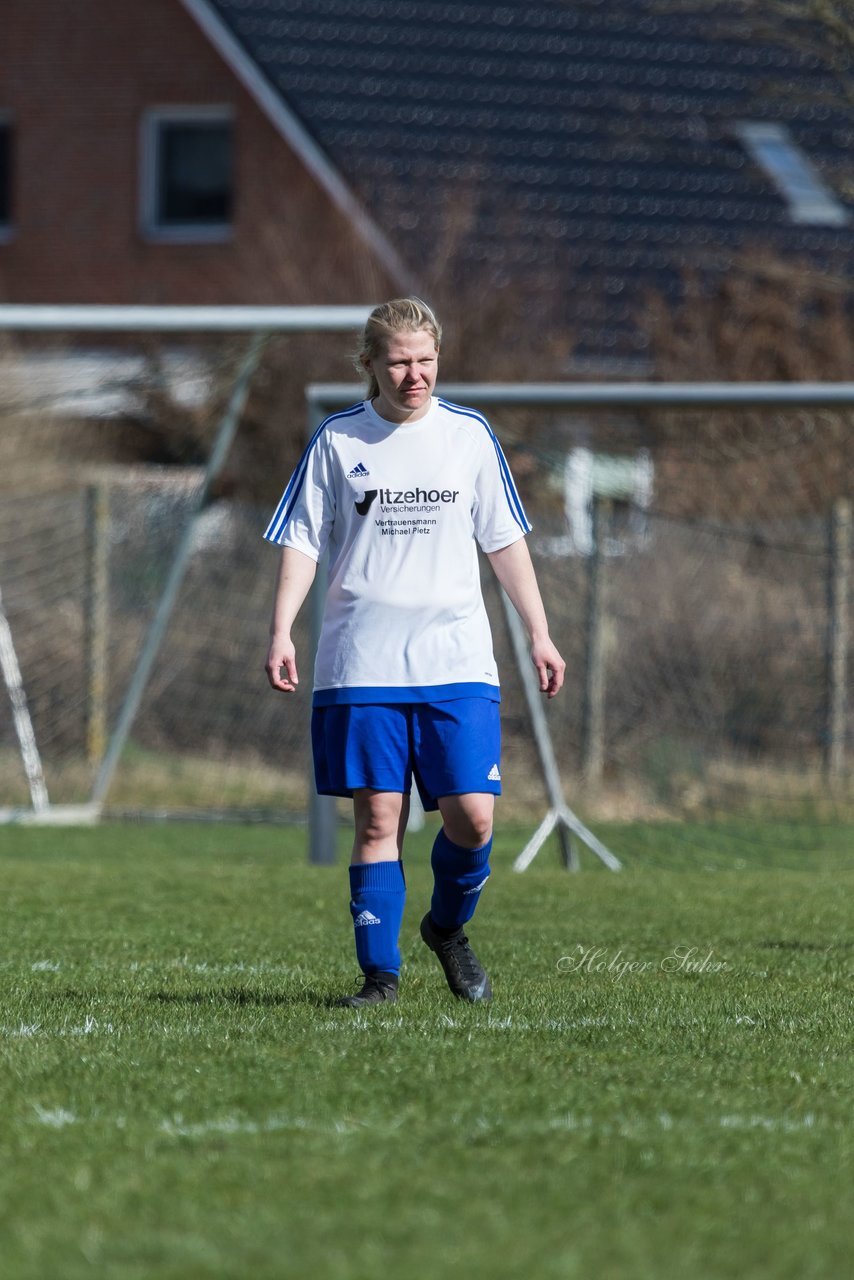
[322, 810]
[838, 637]
[18, 317]
[14, 682]
[593, 717]
[97, 620]
[560, 817]
[627, 395]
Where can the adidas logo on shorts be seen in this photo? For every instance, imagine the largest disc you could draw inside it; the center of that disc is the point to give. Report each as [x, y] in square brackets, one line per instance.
[494, 774]
[366, 917]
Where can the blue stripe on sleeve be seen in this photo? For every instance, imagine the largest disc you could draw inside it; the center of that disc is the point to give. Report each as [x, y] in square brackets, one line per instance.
[513, 500]
[289, 498]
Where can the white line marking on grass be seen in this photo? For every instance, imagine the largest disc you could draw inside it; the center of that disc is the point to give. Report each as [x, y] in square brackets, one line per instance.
[512, 1023]
[54, 1117]
[89, 1027]
[443, 1021]
[211, 968]
[638, 1126]
[46, 966]
[238, 1126]
[362, 1022]
[630, 1127]
[230, 1125]
[776, 1124]
[571, 1122]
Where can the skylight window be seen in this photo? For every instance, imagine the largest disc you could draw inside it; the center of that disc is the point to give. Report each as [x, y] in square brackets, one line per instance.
[808, 198]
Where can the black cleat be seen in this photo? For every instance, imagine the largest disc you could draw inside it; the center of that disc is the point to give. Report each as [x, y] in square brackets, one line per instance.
[377, 988]
[465, 974]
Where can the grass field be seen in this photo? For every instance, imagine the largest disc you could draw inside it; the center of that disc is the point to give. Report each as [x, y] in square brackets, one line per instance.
[661, 1087]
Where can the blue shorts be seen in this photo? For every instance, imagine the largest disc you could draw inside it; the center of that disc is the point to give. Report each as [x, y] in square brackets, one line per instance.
[449, 748]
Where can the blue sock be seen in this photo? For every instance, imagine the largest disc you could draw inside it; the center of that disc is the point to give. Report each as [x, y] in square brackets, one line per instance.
[458, 878]
[377, 895]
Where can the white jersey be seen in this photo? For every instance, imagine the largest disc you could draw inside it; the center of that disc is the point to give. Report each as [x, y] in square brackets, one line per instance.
[402, 509]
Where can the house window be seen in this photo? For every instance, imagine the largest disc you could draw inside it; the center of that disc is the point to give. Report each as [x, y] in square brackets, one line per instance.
[188, 174]
[5, 177]
[809, 199]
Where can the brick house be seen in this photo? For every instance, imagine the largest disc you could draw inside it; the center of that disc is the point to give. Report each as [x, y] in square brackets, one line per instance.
[137, 166]
[256, 151]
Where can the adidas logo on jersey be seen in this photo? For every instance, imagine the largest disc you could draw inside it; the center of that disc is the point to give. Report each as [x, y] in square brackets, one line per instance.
[366, 917]
[359, 472]
[494, 775]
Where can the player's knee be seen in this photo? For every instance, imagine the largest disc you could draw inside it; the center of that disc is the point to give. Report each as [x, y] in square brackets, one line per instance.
[480, 831]
[468, 821]
[376, 819]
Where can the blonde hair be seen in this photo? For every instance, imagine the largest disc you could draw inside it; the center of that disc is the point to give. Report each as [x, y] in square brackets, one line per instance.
[401, 315]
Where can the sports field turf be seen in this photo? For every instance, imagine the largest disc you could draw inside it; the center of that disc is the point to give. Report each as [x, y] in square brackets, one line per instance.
[661, 1088]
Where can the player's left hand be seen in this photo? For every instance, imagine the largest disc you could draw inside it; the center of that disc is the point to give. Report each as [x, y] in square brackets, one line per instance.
[550, 667]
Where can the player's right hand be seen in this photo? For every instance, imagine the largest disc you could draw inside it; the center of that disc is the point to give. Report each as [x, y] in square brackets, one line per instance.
[282, 658]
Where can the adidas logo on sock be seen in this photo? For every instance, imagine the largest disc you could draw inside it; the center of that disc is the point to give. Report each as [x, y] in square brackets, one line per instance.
[494, 775]
[358, 472]
[477, 888]
[366, 917]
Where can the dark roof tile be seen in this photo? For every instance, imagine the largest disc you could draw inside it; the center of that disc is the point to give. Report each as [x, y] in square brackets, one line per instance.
[602, 129]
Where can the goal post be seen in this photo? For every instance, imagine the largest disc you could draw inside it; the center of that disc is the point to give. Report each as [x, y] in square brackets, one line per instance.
[94, 318]
[322, 398]
[14, 682]
[713, 602]
[261, 323]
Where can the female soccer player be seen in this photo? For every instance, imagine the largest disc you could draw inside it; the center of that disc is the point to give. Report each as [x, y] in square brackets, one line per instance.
[401, 489]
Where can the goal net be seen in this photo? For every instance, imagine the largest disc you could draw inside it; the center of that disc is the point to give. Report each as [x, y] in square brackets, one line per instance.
[695, 562]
